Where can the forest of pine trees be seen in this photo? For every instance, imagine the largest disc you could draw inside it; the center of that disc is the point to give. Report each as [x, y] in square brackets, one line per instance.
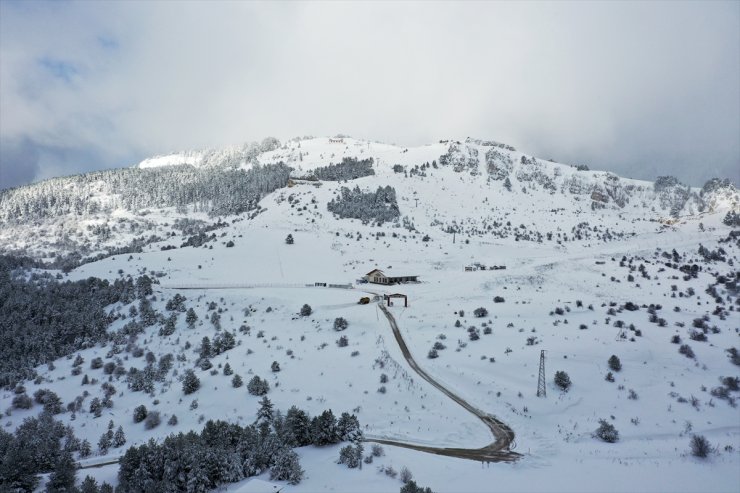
[379, 206]
[216, 190]
[349, 169]
[226, 453]
[42, 319]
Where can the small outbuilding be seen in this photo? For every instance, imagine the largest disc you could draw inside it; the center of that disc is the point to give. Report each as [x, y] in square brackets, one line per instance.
[377, 276]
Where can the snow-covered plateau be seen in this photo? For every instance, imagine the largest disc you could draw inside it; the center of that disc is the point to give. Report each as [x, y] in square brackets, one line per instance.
[517, 259]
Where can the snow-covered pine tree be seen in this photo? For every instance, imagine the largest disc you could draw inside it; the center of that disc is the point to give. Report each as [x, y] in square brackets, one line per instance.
[286, 466]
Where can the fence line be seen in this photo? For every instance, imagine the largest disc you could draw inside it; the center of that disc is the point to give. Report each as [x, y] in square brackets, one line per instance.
[253, 285]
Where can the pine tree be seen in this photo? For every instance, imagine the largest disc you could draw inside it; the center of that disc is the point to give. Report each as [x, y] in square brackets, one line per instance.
[286, 466]
[227, 369]
[52, 403]
[62, 478]
[562, 380]
[85, 448]
[607, 432]
[289, 239]
[104, 443]
[265, 412]
[614, 363]
[169, 326]
[306, 310]
[205, 348]
[89, 485]
[275, 367]
[96, 407]
[351, 456]
[298, 423]
[348, 428]
[324, 429]
[340, 323]
[140, 413]
[190, 318]
[190, 383]
[236, 382]
[258, 386]
[412, 487]
[147, 315]
[119, 439]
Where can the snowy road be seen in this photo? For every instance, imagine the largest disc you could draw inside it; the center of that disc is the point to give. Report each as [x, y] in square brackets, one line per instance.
[498, 451]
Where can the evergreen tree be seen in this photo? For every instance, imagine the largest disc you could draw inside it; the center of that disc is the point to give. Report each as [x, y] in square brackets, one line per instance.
[205, 347]
[236, 382]
[147, 315]
[306, 310]
[298, 422]
[96, 408]
[324, 429]
[227, 369]
[89, 485]
[614, 363]
[348, 428]
[265, 411]
[119, 438]
[289, 239]
[258, 386]
[286, 466]
[562, 380]
[412, 487]
[190, 318]
[140, 413]
[607, 432]
[169, 326]
[351, 456]
[190, 383]
[104, 443]
[340, 323]
[52, 403]
[85, 448]
[62, 478]
[275, 367]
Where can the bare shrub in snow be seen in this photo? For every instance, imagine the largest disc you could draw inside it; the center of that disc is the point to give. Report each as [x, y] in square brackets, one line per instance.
[700, 446]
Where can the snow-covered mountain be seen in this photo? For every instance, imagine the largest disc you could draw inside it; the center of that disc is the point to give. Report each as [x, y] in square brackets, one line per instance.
[450, 183]
[514, 255]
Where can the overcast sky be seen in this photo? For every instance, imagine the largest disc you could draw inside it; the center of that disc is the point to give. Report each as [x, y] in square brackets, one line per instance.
[642, 89]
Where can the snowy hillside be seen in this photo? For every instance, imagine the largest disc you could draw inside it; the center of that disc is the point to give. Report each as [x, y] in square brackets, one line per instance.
[515, 255]
[88, 216]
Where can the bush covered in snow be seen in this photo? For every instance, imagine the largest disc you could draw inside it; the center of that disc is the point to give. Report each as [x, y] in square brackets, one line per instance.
[606, 432]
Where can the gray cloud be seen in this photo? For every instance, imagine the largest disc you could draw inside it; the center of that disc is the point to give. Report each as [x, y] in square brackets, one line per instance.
[639, 88]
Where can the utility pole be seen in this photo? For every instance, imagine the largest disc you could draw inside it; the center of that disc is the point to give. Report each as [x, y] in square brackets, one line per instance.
[541, 389]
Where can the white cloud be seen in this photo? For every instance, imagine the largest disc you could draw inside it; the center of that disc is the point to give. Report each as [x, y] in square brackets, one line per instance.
[640, 88]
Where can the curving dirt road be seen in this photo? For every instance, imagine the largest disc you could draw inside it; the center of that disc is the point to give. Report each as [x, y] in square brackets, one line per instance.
[498, 451]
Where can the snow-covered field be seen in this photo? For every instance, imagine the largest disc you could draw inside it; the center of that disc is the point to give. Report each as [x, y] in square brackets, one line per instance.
[557, 297]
